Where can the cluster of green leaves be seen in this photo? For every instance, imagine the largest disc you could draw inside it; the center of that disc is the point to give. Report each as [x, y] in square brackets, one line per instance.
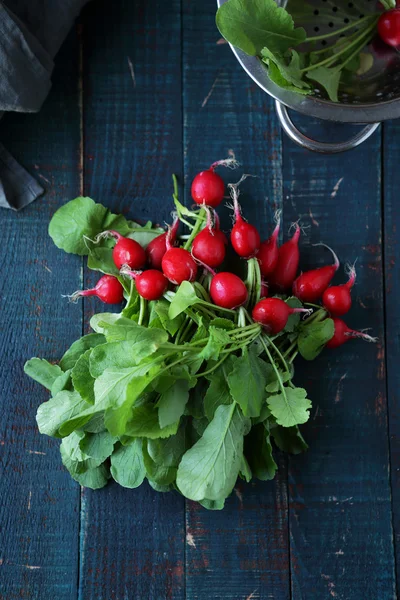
[190, 400]
[261, 28]
[178, 391]
[75, 226]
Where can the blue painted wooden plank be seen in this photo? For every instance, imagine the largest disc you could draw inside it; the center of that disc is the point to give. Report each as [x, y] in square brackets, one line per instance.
[340, 505]
[391, 154]
[242, 551]
[39, 502]
[132, 541]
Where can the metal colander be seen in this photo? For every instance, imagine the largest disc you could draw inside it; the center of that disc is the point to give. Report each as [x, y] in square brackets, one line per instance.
[368, 98]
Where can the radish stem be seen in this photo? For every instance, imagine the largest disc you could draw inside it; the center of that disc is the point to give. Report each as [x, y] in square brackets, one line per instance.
[316, 38]
[196, 228]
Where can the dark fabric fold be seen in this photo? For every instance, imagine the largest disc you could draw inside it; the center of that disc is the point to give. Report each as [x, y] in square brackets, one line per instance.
[31, 33]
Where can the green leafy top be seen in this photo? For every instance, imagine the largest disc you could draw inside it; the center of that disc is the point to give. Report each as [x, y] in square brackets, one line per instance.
[252, 25]
[76, 224]
[261, 28]
[179, 391]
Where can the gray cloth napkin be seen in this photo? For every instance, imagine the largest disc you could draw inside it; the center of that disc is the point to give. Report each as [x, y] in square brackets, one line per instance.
[31, 33]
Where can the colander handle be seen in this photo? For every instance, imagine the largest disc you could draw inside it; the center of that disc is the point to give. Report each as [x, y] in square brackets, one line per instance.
[323, 147]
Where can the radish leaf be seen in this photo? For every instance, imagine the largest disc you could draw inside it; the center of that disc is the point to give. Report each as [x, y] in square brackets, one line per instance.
[144, 422]
[184, 297]
[289, 439]
[82, 379]
[127, 465]
[97, 446]
[258, 450]
[172, 402]
[290, 407]
[78, 348]
[247, 382]
[210, 468]
[42, 371]
[328, 78]
[313, 337]
[218, 391]
[253, 24]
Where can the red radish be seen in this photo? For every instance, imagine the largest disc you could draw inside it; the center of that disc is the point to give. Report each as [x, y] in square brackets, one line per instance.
[268, 253]
[208, 187]
[389, 27]
[310, 286]
[288, 262]
[157, 247]
[228, 290]
[337, 299]
[273, 314]
[126, 251]
[245, 238]
[343, 334]
[150, 284]
[108, 289]
[208, 247]
[264, 290]
[178, 265]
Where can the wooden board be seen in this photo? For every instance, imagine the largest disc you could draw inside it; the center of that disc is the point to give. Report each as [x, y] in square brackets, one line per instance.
[340, 506]
[391, 222]
[39, 503]
[132, 541]
[242, 551]
[150, 89]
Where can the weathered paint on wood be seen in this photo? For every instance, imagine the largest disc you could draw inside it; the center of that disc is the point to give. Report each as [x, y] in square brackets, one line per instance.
[340, 505]
[142, 119]
[132, 541]
[391, 221]
[242, 551]
[39, 503]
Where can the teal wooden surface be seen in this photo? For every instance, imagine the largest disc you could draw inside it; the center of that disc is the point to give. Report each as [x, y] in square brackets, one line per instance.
[39, 504]
[142, 90]
[131, 97]
[340, 501]
[242, 551]
[391, 253]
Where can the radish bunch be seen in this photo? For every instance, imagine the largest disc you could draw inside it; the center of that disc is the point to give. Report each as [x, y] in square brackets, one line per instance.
[202, 355]
[273, 269]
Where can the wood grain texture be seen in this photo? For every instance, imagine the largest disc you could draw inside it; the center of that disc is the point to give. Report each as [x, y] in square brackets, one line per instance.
[39, 502]
[340, 505]
[391, 179]
[241, 552]
[143, 117]
[132, 541]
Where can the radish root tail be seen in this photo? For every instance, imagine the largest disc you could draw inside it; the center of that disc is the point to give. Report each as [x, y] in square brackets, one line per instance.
[335, 258]
[107, 234]
[362, 336]
[235, 193]
[73, 298]
[229, 163]
[126, 270]
[351, 273]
